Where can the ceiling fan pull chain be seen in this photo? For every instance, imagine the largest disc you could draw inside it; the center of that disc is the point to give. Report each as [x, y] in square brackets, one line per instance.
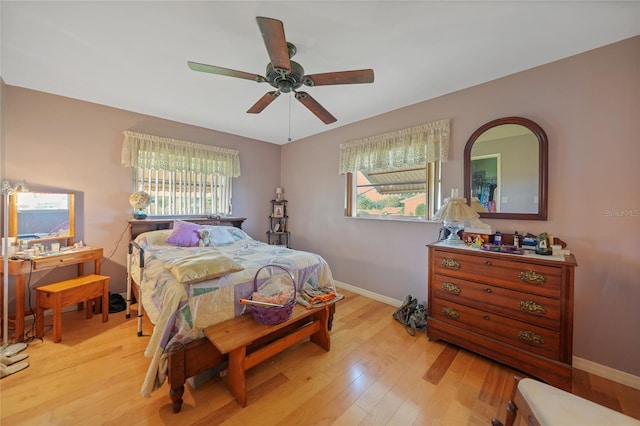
[290, 117]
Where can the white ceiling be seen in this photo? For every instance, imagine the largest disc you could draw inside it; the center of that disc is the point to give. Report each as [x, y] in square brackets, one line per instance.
[133, 54]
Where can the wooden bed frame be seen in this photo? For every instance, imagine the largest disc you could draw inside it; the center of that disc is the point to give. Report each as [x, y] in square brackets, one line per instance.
[198, 356]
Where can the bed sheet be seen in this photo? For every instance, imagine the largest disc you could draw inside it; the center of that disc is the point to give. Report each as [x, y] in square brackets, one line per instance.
[180, 312]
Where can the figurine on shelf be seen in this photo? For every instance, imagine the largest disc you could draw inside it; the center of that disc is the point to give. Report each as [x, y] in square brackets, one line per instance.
[478, 242]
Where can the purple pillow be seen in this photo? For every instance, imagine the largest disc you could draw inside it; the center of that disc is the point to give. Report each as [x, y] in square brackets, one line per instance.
[185, 234]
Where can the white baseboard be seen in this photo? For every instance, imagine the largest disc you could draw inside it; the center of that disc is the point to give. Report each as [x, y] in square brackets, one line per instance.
[607, 372]
[369, 294]
[579, 363]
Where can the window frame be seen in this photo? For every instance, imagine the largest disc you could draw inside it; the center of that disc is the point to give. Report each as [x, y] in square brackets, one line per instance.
[433, 197]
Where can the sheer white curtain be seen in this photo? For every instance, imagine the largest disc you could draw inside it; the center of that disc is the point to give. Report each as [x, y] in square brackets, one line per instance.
[159, 153]
[401, 149]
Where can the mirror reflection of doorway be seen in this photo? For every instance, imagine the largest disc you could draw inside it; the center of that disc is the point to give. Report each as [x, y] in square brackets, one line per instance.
[486, 181]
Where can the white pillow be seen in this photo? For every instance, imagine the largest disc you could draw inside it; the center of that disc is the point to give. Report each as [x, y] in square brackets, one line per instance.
[220, 235]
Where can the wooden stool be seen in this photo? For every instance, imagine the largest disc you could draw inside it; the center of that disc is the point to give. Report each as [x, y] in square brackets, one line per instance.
[64, 293]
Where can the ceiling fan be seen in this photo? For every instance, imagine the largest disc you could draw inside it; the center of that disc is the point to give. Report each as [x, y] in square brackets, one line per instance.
[286, 75]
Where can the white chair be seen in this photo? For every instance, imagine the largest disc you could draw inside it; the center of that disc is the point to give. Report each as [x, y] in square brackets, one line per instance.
[539, 404]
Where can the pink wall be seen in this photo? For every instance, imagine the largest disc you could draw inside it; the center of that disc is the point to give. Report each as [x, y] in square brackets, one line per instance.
[61, 144]
[589, 106]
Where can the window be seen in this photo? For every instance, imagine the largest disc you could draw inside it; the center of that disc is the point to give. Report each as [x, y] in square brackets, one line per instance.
[395, 175]
[182, 178]
[184, 193]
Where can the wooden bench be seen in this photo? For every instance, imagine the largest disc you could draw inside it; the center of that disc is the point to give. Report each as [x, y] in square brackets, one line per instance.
[64, 293]
[248, 343]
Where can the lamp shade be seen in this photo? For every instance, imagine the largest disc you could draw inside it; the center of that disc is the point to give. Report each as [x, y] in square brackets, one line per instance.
[455, 209]
[454, 213]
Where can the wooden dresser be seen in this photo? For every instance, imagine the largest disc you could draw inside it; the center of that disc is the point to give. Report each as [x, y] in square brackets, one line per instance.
[514, 309]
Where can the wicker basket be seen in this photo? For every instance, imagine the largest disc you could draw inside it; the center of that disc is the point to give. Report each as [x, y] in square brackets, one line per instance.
[272, 314]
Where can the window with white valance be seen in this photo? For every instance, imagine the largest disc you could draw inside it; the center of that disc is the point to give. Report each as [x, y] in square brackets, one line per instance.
[183, 178]
[411, 147]
[395, 174]
[159, 153]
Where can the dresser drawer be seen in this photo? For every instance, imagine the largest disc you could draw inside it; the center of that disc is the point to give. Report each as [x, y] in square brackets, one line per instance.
[524, 276]
[539, 310]
[530, 337]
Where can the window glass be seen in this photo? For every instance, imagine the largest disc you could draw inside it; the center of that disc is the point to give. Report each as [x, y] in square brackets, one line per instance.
[184, 193]
[406, 194]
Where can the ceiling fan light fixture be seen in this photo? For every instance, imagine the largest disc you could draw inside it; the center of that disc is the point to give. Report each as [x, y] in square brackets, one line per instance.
[285, 86]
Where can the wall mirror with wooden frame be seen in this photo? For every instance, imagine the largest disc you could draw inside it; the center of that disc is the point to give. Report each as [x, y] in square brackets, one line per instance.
[42, 217]
[505, 170]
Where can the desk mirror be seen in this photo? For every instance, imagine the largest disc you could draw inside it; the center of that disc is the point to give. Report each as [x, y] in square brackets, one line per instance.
[505, 170]
[42, 216]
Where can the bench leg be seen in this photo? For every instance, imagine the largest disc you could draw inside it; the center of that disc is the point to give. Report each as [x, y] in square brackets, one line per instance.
[57, 317]
[105, 301]
[235, 379]
[321, 337]
[89, 309]
[39, 316]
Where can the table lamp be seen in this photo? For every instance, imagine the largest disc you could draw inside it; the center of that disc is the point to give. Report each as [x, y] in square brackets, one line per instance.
[454, 213]
[140, 200]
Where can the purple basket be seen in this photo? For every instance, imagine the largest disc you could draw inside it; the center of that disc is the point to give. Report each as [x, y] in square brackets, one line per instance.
[270, 315]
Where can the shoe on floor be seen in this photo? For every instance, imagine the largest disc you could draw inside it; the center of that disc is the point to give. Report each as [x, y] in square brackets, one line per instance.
[8, 360]
[11, 350]
[14, 368]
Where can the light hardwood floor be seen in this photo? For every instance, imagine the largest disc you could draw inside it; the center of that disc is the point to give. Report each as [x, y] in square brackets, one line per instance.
[375, 374]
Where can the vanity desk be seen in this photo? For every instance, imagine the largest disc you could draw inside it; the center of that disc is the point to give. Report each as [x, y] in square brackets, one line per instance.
[514, 309]
[21, 269]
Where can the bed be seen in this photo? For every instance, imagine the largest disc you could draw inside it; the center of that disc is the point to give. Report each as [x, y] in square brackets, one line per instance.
[184, 284]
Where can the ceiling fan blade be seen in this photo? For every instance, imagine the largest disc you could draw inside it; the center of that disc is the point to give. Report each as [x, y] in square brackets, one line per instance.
[340, 77]
[263, 102]
[315, 107]
[273, 34]
[225, 71]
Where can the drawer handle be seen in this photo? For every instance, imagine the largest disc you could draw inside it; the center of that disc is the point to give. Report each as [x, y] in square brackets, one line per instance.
[450, 263]
[531, 307]
[451, 288]
[530, 337]
[486, 317]
[487, 290]
[488, 263]
[532, 277]
[450, 312]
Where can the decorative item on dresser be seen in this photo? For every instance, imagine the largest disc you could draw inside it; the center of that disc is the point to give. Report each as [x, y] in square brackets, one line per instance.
[454, 213]
[514, 309]
[278, 232]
